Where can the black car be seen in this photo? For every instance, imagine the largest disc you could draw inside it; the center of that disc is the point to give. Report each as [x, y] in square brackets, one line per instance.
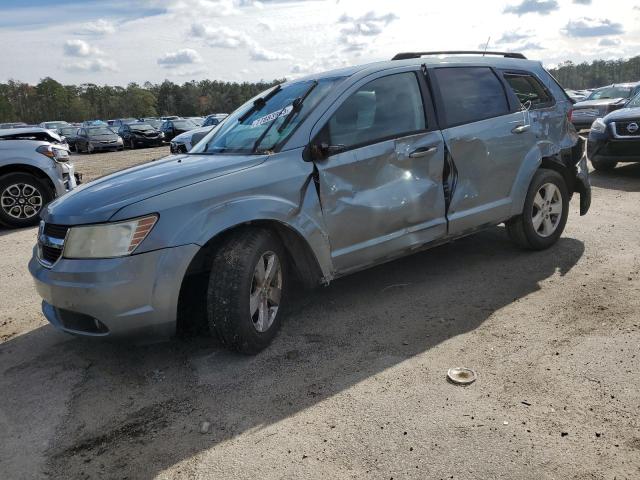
[71, 135]
[140, 135]
[94, 139]
[616, 137]
[601, 102]
[116, 124]
[171, 128]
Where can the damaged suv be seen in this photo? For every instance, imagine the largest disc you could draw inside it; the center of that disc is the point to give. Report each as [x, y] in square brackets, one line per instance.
[313, 179]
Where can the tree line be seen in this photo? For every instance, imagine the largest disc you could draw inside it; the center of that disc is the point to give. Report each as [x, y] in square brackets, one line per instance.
[597, 73]
[50, 100]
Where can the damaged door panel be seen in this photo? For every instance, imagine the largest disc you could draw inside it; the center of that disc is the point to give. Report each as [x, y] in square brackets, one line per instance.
[383, 199]
[486, 143]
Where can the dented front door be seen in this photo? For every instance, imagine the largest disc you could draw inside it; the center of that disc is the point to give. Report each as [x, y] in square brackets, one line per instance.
[383, 199]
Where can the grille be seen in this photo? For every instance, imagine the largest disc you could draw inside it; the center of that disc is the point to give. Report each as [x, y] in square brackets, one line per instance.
[55, 231]
[50, 254]
[621, 129]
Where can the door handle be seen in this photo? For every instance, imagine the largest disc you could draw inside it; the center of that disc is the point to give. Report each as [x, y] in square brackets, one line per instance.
[423, 151]
[521, 129]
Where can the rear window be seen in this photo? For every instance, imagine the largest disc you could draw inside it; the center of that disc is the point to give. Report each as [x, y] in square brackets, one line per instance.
[529, 90]
[470, 94]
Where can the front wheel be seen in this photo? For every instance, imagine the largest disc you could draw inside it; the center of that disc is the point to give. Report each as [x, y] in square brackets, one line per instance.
[132, 144]
[246, 290]
[22, 197]
[545, 213]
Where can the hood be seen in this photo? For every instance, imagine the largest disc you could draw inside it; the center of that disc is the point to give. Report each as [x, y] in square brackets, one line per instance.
[99, 200]
[597, 103]
[625, 114]
[187, 135]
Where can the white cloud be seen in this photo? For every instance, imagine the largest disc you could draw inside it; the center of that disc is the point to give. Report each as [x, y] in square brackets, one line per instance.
[224, 37]
[185, 56]
[98, 27]
[258, 53]
[592, 27]
[79, 48]
[357, 32]
[92, 66]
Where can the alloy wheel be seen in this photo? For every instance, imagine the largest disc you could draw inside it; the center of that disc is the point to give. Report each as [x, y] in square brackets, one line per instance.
[21, 201]
[266, 290]
[547, 210]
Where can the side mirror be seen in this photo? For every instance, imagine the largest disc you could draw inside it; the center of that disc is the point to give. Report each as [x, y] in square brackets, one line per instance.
[321, 151]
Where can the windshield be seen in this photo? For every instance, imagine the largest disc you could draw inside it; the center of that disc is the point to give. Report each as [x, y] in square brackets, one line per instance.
[99, 131]
[141, 126]
[184, 124]
[255, 127]
[610, 92]
[635, 102]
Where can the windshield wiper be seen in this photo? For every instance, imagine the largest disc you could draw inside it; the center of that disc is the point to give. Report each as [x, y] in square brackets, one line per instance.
[297, 105]
[259, 103]
[266, 130]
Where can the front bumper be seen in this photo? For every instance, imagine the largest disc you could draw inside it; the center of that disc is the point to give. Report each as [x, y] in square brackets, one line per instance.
[134, 296]
[101, 147]
[148, 142]
[601, 147]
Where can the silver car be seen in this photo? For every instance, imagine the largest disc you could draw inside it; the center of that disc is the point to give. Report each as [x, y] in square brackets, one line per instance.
[34, 169]
[315, 179]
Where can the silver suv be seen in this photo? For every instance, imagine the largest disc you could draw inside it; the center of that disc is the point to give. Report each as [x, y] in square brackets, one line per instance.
[315, 179]
[34, 169]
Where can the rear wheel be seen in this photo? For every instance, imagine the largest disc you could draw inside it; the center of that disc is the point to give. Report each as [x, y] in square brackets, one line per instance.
[248, 279]
[602, 165]
[545, 212]
[22, 197]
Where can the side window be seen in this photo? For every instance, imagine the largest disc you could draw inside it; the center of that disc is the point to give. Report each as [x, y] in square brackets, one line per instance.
[383, 108]
[470, 94]
[529, 90]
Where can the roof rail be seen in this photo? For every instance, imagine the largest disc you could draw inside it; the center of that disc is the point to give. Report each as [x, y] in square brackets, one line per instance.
[407, 55]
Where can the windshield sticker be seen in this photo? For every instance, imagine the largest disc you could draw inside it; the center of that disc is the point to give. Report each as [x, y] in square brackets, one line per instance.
[271, 117]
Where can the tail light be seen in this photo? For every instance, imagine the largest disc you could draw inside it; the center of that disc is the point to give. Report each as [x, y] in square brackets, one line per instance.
[570, 115]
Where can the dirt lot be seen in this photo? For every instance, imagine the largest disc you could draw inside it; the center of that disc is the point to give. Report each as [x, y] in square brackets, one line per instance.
[354, 385]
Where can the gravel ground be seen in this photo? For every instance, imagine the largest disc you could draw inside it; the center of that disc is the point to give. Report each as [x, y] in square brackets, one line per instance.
[354, 385]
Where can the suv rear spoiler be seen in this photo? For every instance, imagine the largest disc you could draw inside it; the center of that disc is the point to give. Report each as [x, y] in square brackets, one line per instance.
[407, 55]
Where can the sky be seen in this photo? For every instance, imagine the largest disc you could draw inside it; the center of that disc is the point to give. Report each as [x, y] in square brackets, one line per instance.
[116, 42]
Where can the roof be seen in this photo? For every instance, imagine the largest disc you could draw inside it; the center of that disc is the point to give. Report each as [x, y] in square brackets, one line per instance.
[429, 60]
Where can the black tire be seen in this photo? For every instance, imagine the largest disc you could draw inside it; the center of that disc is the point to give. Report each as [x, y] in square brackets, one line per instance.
[132, 144]
[603, 165]
[521, 229]
[44, 192]
[230, 285]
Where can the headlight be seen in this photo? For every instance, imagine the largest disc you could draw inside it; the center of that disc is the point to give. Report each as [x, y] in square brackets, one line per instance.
[598, 126]
[119, 139]
[57, 154]
[161, 134]
[107, 240]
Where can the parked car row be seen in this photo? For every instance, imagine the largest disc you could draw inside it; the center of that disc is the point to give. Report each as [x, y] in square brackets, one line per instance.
[601, 102]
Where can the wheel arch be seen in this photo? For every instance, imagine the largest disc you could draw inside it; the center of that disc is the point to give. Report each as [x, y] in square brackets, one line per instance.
[191, 314]
[29, 169]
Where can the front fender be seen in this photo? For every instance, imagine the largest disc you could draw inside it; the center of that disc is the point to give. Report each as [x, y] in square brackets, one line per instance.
[198, 213]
